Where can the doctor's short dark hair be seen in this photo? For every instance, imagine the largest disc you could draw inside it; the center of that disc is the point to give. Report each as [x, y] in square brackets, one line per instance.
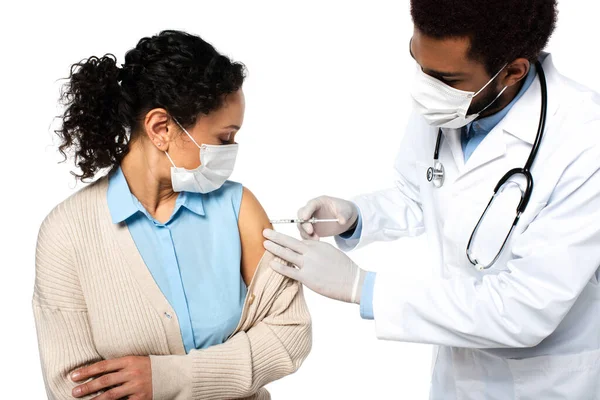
[500, 30]
[105, 104]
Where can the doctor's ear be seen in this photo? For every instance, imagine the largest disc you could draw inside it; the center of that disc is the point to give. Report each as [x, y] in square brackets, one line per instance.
[160, 128]
[516, 71]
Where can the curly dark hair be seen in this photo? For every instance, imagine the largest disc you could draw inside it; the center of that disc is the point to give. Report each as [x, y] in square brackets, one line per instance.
[105, 104]
[500, 30]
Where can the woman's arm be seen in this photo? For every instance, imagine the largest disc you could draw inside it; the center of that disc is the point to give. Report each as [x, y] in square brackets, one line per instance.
[251, 222]
[273, 345]
[64, 335]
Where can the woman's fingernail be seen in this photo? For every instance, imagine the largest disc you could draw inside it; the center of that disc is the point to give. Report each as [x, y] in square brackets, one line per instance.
[75, 375]
[77, 391]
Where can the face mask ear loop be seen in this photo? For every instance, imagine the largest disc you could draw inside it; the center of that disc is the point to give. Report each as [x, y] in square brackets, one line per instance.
[170, 159]
[490, 81]
[493, 101]
[186, 132]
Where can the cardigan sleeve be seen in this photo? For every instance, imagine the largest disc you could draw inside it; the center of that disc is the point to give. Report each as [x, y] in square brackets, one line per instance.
[274, 346]
[59, 309]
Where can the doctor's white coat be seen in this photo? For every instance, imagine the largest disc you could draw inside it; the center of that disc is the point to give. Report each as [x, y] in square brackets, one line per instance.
[529, 327]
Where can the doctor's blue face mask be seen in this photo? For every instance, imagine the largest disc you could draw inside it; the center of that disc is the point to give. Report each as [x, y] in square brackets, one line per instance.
[442, 105]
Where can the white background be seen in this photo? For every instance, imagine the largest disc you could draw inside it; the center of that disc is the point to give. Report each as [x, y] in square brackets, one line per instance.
[326, 105]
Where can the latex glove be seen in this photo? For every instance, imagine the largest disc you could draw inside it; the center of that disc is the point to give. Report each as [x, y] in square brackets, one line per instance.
[319, 266]
[327, 207]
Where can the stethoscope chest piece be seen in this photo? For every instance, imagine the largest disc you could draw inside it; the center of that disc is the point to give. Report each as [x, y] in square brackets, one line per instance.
[436, 174]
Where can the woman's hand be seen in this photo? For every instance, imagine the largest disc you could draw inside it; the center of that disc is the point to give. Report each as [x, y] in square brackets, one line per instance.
[125, 377]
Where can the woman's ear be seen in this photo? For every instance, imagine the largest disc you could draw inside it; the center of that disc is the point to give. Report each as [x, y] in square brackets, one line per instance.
[159, 128]
[516, 71]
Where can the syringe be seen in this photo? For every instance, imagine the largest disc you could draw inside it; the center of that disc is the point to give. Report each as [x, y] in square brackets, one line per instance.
[313, 220]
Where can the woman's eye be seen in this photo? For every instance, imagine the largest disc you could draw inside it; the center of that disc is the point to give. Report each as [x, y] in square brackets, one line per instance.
[227, 138]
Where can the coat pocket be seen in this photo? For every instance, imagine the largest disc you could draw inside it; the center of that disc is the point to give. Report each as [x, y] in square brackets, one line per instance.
[572, 376]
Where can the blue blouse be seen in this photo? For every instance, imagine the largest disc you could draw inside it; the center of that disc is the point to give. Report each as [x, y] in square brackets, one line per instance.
[194, 257]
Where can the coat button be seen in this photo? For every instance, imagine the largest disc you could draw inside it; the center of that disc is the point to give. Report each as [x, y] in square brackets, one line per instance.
[168, 315]
[251, 299]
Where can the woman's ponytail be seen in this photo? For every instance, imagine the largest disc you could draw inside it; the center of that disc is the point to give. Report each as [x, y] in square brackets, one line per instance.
[93, 126]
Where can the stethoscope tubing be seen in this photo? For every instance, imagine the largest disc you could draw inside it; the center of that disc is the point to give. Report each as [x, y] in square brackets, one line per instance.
[435, 174]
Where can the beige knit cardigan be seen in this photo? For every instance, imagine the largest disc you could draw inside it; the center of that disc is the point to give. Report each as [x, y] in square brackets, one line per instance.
[94, 299]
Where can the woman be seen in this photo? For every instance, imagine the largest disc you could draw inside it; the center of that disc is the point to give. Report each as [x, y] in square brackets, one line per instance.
[151, 283]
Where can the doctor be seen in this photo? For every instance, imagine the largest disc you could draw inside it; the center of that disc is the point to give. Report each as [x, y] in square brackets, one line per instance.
[515, 305]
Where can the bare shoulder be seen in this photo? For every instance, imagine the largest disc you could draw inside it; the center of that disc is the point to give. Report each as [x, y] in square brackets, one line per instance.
[251, 222]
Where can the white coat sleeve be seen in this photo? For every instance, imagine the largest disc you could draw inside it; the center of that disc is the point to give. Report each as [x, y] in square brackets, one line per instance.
[554, 259]
[395, 212]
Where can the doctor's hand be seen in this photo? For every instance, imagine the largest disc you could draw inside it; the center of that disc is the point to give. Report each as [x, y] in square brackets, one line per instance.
[125, 377]
[327, 208]
[318, 265]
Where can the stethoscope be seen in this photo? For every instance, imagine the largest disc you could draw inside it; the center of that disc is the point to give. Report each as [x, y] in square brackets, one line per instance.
[436, 174]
